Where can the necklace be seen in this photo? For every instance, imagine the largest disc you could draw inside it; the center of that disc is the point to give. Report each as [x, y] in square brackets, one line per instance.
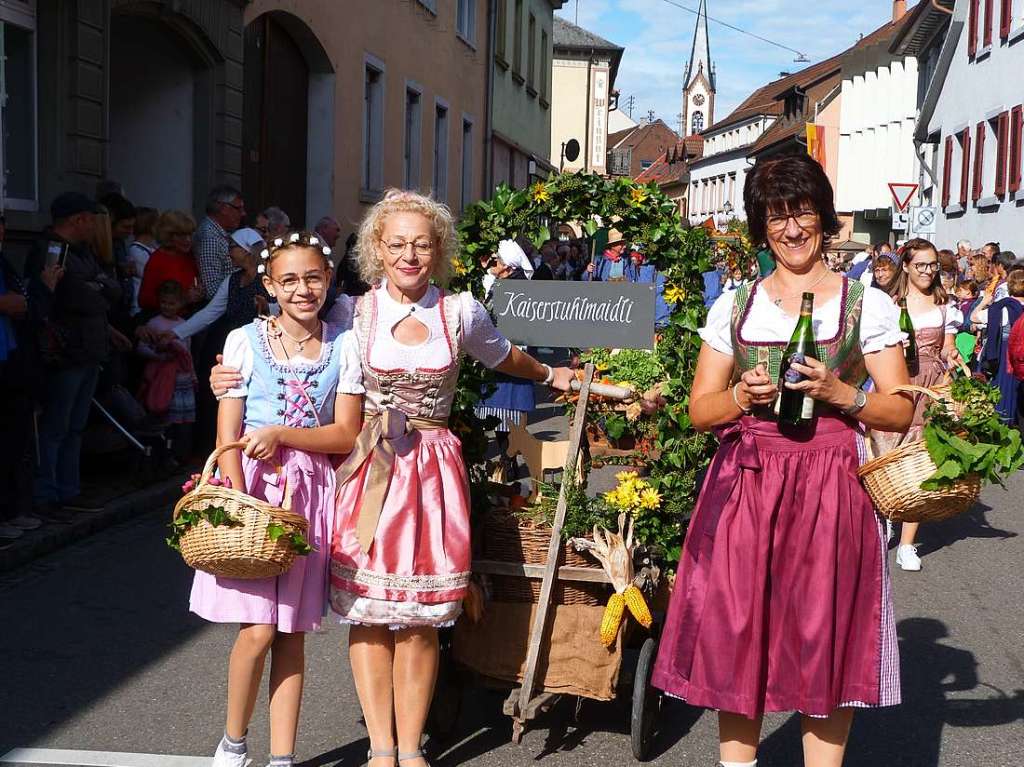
[778, 301]
[300, 343]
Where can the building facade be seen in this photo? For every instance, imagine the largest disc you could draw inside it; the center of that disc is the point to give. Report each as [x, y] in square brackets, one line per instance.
[148, 93]
[583, 94]
[287, 99]
[395, 99]
[876, 130]
[634, 150]
[974, 116]
[520, 147]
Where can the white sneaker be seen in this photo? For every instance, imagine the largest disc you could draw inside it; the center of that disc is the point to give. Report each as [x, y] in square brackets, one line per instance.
[224, 758]
[906, 557]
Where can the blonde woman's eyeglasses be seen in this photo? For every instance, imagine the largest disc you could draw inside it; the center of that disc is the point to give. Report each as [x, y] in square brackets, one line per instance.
[419, 247]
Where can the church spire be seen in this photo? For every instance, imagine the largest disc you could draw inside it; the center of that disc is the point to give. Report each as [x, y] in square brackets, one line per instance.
[699, 84]
[700, 55]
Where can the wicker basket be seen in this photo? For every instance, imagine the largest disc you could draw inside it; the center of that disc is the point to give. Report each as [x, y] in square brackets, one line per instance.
[245, 550]
[894, 481]
[508, 538]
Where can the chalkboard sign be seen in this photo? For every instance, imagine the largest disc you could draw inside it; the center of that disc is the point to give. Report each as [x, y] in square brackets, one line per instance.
[578, 315]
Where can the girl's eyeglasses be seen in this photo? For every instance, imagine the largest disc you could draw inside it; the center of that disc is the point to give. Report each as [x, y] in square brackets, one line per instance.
[928, 268]
[290, 284]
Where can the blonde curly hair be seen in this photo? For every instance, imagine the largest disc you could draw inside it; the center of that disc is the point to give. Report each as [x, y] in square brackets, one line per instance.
[442, 225]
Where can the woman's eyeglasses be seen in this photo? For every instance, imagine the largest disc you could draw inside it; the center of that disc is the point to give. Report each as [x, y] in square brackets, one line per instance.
[419, 247]
[805, 219]
[929, 268]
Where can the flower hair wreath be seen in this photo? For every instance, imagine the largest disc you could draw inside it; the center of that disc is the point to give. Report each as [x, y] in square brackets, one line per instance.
[303, 239]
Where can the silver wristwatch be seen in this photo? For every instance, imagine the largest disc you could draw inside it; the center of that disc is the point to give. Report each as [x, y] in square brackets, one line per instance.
[859, 401]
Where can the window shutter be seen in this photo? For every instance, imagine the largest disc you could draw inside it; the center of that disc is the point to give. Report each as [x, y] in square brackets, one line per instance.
[1002, 134]
[965, 167]
[972, 28]
[1016, 141]
[989, 5]
[947, 172]
[1005, 18]
[979, 160]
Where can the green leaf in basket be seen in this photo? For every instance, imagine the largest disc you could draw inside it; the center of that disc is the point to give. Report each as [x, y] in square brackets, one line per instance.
[299, 544]
[275, 530]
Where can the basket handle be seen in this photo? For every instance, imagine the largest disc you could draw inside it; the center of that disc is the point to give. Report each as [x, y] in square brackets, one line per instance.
[963, 369]
[211, 464]
[912, 389]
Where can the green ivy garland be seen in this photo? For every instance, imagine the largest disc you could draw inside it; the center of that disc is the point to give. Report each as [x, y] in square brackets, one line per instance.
[644, 214]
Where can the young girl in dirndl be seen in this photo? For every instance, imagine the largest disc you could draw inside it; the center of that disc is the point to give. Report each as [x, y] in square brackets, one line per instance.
[297, 373]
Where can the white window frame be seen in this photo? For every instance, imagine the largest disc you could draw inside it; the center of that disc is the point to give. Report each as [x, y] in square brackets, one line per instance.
[412, 145]
[430, 5]
[440, 177]
[465, 22]
[371, 172]
[21, 15]
[466, 180]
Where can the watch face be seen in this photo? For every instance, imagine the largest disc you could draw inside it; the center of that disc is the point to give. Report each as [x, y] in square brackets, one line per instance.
[698, 99]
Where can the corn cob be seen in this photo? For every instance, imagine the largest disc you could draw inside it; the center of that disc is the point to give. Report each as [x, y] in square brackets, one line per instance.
[634, 600]
[612, 619]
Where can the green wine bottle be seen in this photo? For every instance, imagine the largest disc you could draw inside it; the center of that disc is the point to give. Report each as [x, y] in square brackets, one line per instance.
[907, 326]
[794, 408]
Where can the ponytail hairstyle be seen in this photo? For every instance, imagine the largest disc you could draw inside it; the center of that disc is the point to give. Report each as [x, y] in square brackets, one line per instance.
[292, 241]
[911, 249]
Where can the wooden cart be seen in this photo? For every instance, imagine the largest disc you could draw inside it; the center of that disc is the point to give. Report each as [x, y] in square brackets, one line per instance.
[634, 679]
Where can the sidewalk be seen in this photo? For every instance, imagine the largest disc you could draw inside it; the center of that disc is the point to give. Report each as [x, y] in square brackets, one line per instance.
[123, 501]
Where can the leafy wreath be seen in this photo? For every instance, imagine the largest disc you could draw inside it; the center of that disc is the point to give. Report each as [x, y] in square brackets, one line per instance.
[643, 214]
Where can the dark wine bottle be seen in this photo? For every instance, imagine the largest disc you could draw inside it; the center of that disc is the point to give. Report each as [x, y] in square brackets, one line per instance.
[907, 326]
[793, 407]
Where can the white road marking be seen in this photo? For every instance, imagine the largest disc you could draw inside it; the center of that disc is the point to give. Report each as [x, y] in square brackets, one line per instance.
[74, 758]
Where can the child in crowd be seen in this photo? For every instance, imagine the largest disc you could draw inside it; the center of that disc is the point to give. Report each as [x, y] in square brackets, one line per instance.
[141, 249]
[297, 373]
[967, 339]
[168, 381]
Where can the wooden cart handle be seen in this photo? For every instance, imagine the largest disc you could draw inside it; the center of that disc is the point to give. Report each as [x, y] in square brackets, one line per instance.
[605, 390]
[211, 464]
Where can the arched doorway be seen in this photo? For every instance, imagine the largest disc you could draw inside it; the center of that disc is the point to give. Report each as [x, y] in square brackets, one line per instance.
[288, 130]
[160, 121]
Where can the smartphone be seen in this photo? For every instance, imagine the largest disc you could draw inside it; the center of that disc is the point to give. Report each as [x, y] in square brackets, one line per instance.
[56, 253]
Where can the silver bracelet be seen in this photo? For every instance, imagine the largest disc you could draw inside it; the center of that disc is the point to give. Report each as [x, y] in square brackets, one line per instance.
[550, 376]
[736, 399]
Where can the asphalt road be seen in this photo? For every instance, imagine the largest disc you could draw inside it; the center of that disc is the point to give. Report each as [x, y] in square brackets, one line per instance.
[99, 653]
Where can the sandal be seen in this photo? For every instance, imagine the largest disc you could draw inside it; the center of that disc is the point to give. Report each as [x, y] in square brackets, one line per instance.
[417, 754]
[388, 753]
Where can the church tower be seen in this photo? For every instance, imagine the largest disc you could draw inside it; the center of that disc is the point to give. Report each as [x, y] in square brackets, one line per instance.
[699, 80]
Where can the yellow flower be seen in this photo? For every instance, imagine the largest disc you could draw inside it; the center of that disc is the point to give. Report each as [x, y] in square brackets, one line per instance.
[637, 195]
[650, 499]
[460, 268]
[540, 192]
[674, 294]
[624, 476]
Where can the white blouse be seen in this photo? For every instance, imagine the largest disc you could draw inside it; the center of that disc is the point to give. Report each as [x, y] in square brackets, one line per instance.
[879, 322]
[480, 339]
[933, 319]
[240, 354]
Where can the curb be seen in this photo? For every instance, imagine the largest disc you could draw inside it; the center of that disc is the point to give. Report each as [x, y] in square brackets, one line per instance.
[50, 538]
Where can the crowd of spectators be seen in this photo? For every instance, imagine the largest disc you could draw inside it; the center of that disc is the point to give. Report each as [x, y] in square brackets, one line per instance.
[121, 305]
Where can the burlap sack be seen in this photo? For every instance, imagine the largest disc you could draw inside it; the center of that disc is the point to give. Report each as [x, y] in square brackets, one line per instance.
[572, 660]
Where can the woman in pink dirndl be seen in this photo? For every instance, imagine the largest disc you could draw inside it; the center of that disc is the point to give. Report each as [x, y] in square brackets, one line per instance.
[400, 559]
[783, 601]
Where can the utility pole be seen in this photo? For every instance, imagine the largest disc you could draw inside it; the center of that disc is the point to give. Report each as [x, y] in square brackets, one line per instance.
[629, 102]
[577, 22]
[650, 115]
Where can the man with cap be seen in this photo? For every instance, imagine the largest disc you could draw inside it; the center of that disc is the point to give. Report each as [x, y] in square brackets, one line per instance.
[638, 270]
[76, 337]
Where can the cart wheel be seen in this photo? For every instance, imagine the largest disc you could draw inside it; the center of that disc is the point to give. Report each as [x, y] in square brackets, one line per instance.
[646, 702]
